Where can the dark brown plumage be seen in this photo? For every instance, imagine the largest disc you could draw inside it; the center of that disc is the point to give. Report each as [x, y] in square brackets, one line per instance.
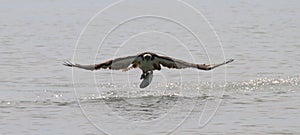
[147, 62]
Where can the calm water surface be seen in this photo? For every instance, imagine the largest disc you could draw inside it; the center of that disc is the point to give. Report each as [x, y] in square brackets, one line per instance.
[257, 94]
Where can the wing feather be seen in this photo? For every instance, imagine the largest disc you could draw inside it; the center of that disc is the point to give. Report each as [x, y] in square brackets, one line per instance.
[115, 64]
[87, 67]
[174, 63]
[180, 64]
[121, 63]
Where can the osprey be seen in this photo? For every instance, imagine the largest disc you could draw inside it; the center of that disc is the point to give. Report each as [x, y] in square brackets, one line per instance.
[147, 62]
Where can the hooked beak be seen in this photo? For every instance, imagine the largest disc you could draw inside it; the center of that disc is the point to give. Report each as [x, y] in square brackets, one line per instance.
[147, 58]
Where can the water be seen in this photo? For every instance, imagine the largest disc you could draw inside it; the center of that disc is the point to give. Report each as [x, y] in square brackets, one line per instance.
[257, 94]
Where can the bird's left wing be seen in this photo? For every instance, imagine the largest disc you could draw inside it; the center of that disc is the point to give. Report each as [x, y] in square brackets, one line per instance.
[180, 64]
[115, 64]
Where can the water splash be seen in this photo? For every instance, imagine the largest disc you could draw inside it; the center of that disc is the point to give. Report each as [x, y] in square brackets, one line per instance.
[171, 90]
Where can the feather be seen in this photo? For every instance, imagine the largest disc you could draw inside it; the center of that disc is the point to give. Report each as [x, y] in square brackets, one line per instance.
[115, 64]
[180, 64]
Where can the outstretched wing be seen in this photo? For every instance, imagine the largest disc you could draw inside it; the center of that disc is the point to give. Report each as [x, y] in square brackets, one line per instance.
[115, 64]
[180, 64]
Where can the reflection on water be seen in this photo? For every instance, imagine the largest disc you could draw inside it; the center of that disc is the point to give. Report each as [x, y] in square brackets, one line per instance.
[143, 108]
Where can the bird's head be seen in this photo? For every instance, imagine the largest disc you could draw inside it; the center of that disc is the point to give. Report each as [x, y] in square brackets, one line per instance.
[147, 57]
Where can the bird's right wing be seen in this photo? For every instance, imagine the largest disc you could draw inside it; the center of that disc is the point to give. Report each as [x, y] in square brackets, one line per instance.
[87, 67]
[115, 64]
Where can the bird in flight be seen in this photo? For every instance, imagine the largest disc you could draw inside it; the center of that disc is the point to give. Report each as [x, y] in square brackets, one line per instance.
[147, 62]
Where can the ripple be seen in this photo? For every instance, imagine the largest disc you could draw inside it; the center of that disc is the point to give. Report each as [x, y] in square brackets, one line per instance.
[264, 83]
[36, 103]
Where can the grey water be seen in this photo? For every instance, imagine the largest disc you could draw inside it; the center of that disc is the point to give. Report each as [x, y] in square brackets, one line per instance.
[256, 94]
